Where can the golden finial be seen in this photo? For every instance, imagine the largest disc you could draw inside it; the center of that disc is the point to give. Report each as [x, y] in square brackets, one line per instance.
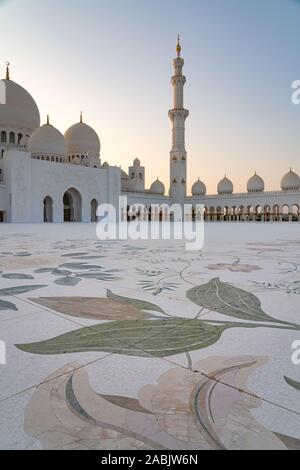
[81, 119]
[7, 71]
[48, 120]
[178, 48]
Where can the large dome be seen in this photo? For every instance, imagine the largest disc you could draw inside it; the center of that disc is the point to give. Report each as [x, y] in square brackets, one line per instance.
[255, 184]
[225, 186]
[198, 188]
[82, 140]
[47, 141]
[290, 182]
[157, 188]
[18, 109]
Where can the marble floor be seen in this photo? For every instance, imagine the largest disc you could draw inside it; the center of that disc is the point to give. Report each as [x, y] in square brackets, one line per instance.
[144, 345]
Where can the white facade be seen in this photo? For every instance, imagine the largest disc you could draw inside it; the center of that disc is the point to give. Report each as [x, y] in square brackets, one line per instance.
[46, 176]
[29, 182]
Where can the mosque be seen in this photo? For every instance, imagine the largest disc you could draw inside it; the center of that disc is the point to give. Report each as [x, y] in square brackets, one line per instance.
[46, 176]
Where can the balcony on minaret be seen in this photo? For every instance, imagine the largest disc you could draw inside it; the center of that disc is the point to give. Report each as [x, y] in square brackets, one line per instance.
[178, 65]
[180, 113]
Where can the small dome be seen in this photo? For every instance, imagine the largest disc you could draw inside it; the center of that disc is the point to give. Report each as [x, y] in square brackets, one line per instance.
[105, 165]
[255, 184]
[47, 141]
[137, 162]
[225, 186]
[198, 188]
[157, 188]
[82, 140]
[290, 182]
[18, 109]
[124, 175]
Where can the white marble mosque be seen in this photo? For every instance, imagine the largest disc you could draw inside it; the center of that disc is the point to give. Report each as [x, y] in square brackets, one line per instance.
[46, 176]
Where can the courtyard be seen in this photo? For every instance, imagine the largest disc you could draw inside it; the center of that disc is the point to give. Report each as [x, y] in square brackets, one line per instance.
[144, 345]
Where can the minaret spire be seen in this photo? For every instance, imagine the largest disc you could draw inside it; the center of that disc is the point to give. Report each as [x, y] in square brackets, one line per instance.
[7, 71]
[81, 117]
[178, 115]
[178, 48]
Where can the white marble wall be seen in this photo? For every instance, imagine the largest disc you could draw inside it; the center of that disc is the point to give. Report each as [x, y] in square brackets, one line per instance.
[29, 181]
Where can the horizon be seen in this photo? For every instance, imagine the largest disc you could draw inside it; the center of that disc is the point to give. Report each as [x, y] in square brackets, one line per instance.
[247, 104]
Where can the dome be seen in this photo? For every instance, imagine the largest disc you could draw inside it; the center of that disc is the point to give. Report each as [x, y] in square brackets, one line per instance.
[82, 140]
[225, 186]
[198, 188]
[255, 184]
[137, 162]
[290, 182]
[124, 175]
[157, 187]
[105, 165]
[18, 109]
[47, 140]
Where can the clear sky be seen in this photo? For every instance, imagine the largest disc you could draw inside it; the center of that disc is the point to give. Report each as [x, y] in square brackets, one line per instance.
[113, 60]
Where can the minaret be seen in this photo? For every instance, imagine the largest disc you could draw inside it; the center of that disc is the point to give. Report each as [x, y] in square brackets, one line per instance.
[178, 115]
[7, 71]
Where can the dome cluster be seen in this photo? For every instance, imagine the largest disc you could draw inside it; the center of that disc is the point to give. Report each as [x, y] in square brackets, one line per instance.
[79, 145]
[290, 182]
[20, 127]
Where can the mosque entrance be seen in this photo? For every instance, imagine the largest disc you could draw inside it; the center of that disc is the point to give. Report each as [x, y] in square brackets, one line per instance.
[48, 209]
[72, 206]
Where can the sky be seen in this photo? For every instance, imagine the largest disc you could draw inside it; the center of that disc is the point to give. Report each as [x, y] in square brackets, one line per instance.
[112, 59]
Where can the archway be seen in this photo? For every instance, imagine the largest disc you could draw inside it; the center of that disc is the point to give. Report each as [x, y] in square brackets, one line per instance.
[295, 213]
[94, 207]
[241, 214]
[267, 213]
[276, 213]
[250, 213]
[285, 210]
[48, 209]
[72, 206]
[258, 213]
